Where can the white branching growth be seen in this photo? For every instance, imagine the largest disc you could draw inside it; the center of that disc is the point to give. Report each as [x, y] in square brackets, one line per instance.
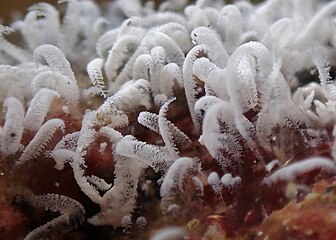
[87, 133]
[227, 182]
[241, 79]
[99, 183]
[72, 215]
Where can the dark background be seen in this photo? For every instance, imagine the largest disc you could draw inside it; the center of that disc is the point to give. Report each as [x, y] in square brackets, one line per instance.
[8, 7]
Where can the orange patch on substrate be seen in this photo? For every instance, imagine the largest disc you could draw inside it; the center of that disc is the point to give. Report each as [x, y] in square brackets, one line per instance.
[313, 218]
[11, 223]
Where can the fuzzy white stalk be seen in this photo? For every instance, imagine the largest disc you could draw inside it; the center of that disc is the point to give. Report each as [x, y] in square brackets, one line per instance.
[196, 16]
[248, 69]
[212, 76]
[163, 18]
[204, 103]
[72, 214]
[12, 50]
[113, 136]
[43, 136]
[294, 170]
[170, 75]
[61, 157]
[215, 183]
[189, 83]
[105, 42]
[159, 58]
[55, 59]
[172, 50]
[220, 135]
[120, 200]
[179, 33]
[76, 162]
[229, 181]
[199, 187]
[13, 128]
[41, 25]
[151, 121]
[87, 133]
[165, 132]
[69, 28]
[99, 183]
[207, 37]
[143, 67]
[133, 95]
[230, 25]
[173, 181]
[68, 141]
[38, 109]
[119, 54]
[154, 156]
[310, 32]
[66, 87]
[150, 40]
[94, 69]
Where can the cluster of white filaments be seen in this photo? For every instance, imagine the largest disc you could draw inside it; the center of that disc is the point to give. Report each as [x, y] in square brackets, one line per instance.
[242, 58]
